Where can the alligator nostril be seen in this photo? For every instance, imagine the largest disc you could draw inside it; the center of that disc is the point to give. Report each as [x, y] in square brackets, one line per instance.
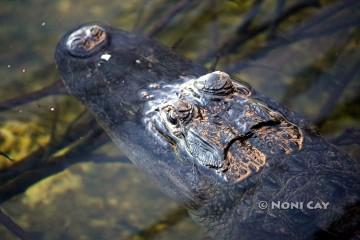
[96, 31]
[87, 44]
[86, 41]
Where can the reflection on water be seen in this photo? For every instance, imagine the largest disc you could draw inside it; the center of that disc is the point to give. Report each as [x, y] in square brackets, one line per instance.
[307, 58]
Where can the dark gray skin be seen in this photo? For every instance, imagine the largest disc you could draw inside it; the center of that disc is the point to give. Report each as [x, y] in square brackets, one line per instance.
[116, 74]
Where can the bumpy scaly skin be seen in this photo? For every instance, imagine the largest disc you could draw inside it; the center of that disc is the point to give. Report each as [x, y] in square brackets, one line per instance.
[226, 130]
[213, 144]
[220, 126]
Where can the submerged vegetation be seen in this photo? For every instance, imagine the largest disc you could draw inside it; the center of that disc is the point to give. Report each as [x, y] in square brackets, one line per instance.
[61, 177]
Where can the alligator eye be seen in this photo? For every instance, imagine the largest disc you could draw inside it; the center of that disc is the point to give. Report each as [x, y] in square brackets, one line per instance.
[179, 112]
[172, 117]
[86, 41]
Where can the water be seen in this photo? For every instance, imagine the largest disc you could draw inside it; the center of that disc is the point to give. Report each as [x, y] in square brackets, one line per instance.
[309, 62]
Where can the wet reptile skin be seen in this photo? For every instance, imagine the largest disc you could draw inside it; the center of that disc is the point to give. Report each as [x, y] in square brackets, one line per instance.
[212, 143]
[216, 122]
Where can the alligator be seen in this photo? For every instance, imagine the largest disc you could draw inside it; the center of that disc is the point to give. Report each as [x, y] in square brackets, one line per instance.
[243, 165]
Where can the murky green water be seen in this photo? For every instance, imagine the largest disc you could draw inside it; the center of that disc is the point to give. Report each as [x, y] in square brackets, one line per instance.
[309, 62]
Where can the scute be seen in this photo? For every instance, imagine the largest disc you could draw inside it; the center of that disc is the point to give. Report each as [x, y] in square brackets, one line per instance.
[204, 152]
[243, 159]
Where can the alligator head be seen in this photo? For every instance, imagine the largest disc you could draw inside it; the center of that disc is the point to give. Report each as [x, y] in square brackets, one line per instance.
[205, 138]
[216, 122]
[197, 133]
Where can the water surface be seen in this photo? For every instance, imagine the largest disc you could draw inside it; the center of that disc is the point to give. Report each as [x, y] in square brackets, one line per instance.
[306, 58]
